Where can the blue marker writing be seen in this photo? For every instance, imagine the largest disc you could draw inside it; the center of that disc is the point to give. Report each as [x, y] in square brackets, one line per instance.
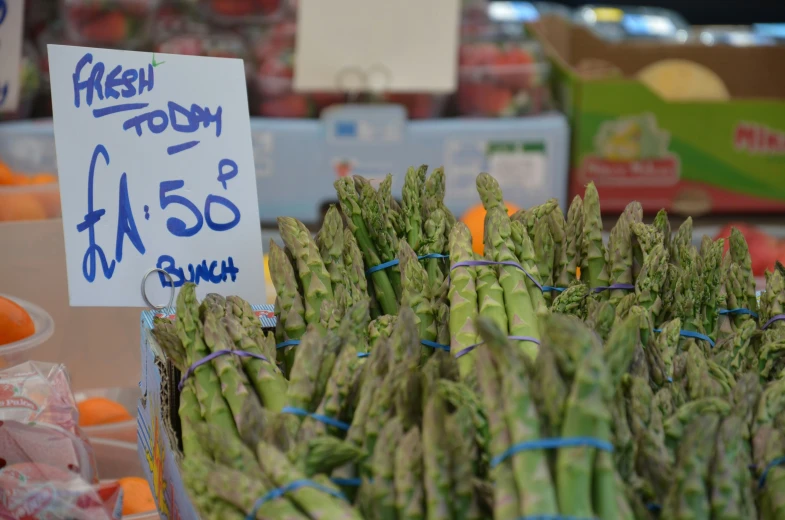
[159, 120]
[131, 82]
[200, 272]
[126, 226]
[90, 220]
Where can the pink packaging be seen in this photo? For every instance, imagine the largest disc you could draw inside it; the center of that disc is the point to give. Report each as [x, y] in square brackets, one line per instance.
[39, 421]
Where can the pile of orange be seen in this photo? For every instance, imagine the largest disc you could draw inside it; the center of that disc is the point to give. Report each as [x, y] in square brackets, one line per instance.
[22, 204]
[97, 411]
[15, 322]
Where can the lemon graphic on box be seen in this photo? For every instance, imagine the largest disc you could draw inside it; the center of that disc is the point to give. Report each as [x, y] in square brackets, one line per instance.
[631, 138]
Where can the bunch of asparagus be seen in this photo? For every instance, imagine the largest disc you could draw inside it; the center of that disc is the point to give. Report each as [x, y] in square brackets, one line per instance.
[629, 350]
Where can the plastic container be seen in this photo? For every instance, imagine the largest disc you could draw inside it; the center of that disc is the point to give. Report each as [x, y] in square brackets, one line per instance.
[113, 23]
[28, 147]
[633, 23]
[115, 460]
[246, 12]
[419, 106]
[736, 36]
[122, 431]
[12, 354]
[504, 79]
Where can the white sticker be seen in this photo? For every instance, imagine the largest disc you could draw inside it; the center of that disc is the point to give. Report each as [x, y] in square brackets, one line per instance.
[521, 165]
[156, 170]
[377, 45]
[11, 18]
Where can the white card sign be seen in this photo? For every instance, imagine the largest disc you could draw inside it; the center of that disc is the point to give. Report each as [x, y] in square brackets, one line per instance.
[377, 45]
[11, 18]
[156, 170]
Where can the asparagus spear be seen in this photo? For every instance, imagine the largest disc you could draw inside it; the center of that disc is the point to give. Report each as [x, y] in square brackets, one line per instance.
[412, 205]
[620, 255]
[351, 208]
[215, 409]
[525, 251]
[395, 224]
[573, 248]
[436, 460]
[740, 254]
[383, 464]
[311, 270]
[585, 416]
[593, 249]
[317, 504]
[289, 308]
[380, 230]
[530, 468]
[505, 492]
[408, 480]
[545, 246]
[206, 496]
[417, 295]
[663, 225]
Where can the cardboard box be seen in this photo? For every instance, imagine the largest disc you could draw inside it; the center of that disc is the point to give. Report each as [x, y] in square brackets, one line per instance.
[158, 421]
[690, 157]
[298, 160]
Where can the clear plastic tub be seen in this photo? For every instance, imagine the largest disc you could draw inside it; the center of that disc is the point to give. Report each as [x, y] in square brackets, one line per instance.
[633, 23]
[114, 23]
[116, 460]
[122, 431]
[27, 148]
[246, 12]
[12, 354]
[736, 36]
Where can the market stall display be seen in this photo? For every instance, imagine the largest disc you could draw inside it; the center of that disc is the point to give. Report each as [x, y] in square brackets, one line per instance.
[408, 377]
[113, 23]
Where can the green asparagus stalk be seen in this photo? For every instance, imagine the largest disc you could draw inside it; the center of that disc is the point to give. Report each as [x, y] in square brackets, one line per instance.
[380, 230]
[351, 208]
[620, 256]
[416, 294]
[408, 480]
[596, 274]
[214, 407]
[573, 249]
[463, 296]
[383, 464]
[536, 494]
[412, 205]
[436, 463]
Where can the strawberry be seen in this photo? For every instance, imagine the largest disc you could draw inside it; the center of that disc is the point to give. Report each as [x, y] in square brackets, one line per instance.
[483, 99]
[109, 28]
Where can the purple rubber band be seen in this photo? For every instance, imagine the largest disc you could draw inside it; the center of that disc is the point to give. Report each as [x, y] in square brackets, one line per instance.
[214, 355]
[515, 338]
[476, 263]
[778, 317]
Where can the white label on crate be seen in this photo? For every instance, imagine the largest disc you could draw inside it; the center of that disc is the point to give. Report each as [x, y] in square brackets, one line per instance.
[11, 18]
[156, 169]
[519, 164]
[377, 45]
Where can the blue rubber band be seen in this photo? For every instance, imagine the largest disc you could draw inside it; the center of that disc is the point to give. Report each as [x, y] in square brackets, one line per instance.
[724, 312]
[692, 334]
[329, 421]
[287, 343]
[347, 482]
[776, 462]
[434, 345]
[551, 444]
[654, 508]
[548, 288]
[363, 354]
[288, 488]
[395, 261]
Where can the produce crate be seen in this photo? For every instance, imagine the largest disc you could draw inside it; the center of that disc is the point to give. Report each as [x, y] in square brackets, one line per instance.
[158, 421]
[298, 160]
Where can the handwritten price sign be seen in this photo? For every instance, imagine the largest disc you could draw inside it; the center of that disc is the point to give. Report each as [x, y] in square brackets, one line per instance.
[156, 171]
[11, 17]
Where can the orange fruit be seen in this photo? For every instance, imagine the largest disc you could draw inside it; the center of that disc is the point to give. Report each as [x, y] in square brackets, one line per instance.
[43, 178]
[15, 323]
[6, 175]
[20, 179]
[21, 206]
[474, 219]
[96, 411]
[137, 497]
